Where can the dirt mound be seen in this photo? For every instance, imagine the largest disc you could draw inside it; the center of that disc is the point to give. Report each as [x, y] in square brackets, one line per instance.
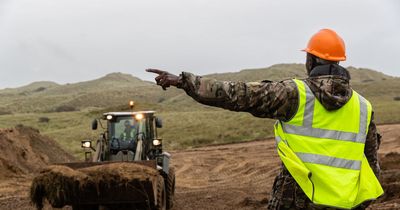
[390, 161]
[390, 179]
[390, 138]
[62, 185]
[23, 150]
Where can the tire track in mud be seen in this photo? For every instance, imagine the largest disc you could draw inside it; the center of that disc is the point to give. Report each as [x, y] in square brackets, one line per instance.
[226, 176]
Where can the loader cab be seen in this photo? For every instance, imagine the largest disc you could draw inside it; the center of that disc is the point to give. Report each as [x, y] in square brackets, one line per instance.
[128, 136]
[132, 135]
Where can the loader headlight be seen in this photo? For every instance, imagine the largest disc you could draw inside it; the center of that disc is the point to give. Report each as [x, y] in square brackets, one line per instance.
[131, 104]
[109, 117]
[86, 144]
[139, 117]
[156, 142]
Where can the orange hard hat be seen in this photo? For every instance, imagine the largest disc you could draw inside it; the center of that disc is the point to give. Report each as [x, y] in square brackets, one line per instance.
[328, 45]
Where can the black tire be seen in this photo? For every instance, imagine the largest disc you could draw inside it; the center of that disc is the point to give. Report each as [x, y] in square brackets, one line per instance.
[85, 207]
[161, 195]
[170, 188]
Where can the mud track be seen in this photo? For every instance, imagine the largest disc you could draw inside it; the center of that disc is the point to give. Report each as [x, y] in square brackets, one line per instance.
[234, 176]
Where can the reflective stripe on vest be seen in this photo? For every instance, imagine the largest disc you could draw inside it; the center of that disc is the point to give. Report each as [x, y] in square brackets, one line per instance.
[326, 160]
[308, 130]
[324, 150]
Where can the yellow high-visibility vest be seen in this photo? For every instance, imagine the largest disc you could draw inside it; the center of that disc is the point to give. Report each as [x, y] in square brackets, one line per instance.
[324, 150]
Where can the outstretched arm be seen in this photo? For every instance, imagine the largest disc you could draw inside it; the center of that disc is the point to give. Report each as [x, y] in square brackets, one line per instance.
[266, 99]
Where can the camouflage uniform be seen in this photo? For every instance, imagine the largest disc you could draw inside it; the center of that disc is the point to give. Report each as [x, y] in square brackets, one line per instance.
[279, 100]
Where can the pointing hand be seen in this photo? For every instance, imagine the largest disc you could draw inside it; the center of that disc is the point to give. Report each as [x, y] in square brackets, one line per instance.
[165, 79]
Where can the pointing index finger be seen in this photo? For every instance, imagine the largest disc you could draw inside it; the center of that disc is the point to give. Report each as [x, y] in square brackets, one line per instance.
[157, 71]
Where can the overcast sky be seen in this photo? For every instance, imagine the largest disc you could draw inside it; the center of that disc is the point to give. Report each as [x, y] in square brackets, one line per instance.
[76, 40]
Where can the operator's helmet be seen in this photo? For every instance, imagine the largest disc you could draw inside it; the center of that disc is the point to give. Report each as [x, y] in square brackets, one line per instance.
[328, 45]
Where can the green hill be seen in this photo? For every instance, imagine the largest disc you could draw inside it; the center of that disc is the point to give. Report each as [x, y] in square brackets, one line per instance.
[31, 88]
[110, 90]
[289, 71]
[186, 123]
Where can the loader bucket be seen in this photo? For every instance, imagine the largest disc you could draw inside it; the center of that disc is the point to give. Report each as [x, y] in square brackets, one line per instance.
[110, 183]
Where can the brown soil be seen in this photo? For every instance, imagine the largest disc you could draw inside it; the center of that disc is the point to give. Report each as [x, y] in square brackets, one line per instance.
[235, 176]
[62, 185]
[24, 151]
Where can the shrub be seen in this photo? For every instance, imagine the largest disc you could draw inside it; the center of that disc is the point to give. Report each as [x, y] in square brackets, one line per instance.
[40, 89]
[160, 100]
[368, 80]
[65, 108]
[44, 119]
[4, 112]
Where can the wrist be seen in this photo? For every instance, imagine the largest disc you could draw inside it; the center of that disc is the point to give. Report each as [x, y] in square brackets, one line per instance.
[179, 82]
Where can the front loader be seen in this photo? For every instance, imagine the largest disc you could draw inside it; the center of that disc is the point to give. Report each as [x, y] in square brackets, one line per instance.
[126, 168]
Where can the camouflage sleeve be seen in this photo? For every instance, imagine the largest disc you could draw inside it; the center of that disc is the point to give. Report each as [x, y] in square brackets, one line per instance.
[372, 145]
[267, 99]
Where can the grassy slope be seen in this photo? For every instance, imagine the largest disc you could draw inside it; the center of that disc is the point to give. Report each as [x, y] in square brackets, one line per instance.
[186, 123]
[115, 88]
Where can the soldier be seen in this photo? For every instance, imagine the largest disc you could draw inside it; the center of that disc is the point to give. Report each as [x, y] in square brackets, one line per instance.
[326, 136]
[129, 131]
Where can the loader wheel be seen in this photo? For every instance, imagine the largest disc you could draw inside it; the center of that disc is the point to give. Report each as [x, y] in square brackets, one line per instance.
[85, 207]
[161, 196]
[170, 188]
